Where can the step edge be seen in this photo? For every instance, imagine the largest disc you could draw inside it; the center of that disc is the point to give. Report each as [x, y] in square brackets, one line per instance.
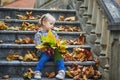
[35, 9]
[33, 46]
[33, 32]
[19, 20]
[22, 63]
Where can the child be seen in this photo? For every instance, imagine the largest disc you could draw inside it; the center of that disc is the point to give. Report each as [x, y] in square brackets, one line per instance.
[47, 22]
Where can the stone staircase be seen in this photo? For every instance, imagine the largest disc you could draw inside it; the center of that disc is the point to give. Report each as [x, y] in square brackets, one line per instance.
[16, 68]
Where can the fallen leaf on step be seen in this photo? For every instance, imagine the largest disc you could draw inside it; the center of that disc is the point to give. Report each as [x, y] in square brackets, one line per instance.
[3, 25]
[7, 17]
[1, 41]
[6, 76]
[78, 54]
[67, 28]
[26, 40]
[12, 56]
[69, 74]
[27, 16]
[70, 18]
[19, 41]
[61, 18]
[28, 74]
[14, 28]
[78, 72]
[50, 75]
[30, 56]
[20, 58]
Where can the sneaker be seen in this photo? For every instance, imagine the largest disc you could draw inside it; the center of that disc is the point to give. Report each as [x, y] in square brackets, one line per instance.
[37, 75]
[61, 75]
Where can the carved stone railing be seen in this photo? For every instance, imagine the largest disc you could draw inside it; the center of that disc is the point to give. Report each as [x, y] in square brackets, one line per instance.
[101, 21]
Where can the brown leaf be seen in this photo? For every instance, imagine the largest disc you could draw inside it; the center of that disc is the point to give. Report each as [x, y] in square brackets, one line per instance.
[27, 16]
[20, 58]
[61, 18]
[12, 56]
[26, 40]
[50, 75]
[19, 41]
[1, 41]
[7, 17]
[28, 74]
[6, 76]
[28, 56]
[14, 28]
[70, 18]
[69, 74]
[3, 25]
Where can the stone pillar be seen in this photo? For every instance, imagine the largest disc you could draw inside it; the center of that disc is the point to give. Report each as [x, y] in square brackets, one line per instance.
[92, 37]
[82, 8]
[104, 42]
[85, 17]
[115, 55]
[97, 47]
[89, 14]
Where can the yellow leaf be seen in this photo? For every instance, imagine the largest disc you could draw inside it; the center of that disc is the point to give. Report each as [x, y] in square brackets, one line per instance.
[50, 35]
[41, 47]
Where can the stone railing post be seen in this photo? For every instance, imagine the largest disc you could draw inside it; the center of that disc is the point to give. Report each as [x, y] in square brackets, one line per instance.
[91, 27]
[115, 54]
[85, 17]
[97, 47]
[103, 42]
[89, 14]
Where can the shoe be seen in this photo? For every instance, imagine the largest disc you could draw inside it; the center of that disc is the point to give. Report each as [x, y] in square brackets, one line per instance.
[61, 75]
[37, 75]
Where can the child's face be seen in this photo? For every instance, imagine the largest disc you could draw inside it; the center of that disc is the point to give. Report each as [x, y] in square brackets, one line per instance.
[48, 24]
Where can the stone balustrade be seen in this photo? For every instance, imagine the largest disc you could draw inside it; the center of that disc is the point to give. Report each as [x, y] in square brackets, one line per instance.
[101, 21]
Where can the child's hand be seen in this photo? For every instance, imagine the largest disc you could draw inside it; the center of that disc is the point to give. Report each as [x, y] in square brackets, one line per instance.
[49, 51]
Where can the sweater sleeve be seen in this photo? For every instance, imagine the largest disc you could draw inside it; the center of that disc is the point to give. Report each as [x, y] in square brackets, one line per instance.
[37, 39]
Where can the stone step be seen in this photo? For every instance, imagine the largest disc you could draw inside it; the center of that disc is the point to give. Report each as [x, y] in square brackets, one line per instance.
[18, 68]
[22, 63]
[16, 22]
[13, 12]
[33, 46]
[6, 49]
[9, 36]
[43, 78]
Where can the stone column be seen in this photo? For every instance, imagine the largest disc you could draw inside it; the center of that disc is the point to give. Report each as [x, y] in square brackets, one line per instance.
[104, 41]
[97, 47]
[92, 37]
[115, 55]
[85, 17]
[89, 14]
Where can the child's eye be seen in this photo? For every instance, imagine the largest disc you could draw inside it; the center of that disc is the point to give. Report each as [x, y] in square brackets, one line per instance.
[51, 23]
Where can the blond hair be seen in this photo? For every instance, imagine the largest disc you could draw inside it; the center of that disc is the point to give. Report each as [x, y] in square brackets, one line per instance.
[46, 17]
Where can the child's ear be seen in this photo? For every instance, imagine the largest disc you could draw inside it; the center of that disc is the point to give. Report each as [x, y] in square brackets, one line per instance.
[43, 23]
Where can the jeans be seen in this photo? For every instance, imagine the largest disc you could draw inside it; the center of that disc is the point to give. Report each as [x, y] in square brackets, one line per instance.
[44, 58]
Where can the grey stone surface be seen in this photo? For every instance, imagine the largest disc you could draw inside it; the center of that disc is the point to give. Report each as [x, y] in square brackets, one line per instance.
[13, 12]
[91, 39]
[96, 49]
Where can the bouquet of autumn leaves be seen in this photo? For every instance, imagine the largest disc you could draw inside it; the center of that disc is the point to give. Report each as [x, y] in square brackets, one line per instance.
[52, 45]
